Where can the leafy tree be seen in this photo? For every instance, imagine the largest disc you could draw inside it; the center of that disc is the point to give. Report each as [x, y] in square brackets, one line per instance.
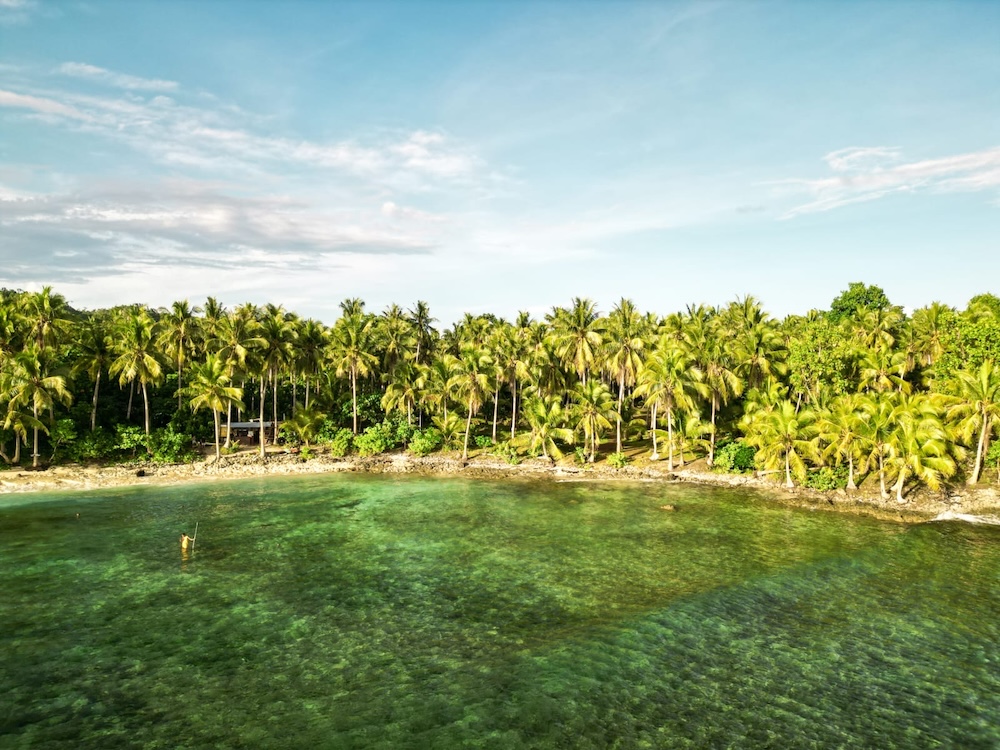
[352, 351]
[785, 438]
[975, 408]
[26, 381]
[594, 409]
[546, 420]
[136, 355]
[858, 296]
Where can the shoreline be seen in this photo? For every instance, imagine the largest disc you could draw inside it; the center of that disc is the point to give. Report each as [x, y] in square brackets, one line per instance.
[976, 505]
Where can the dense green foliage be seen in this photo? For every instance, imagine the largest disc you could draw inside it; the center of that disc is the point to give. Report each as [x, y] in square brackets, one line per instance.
[860, 392]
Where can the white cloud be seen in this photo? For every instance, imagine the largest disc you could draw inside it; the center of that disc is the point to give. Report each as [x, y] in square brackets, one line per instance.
[118, 80]
[866, 174]
[41, 105]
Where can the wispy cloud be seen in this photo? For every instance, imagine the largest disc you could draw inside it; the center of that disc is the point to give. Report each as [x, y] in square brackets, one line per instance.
[41, 105]
[118, 80]
[16, 11]
[866, 174]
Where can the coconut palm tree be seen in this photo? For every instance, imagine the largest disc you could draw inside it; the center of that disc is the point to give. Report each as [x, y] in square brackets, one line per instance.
[46, 317]
[884, 370]
[720, 380]
[403, 390]
[423, 332]
[352, 352]
[178, 329]
[577, 335]
[95, 356]
[546, 419]
[472, 381]
[26, 381]
[309, 352]
[136, 355]
[624, 344]
[668, 380]
[277, 333]
[594, 409]
[211, 387]
[878, 433]
[784, 438]
[920, 444]
[840, 431]
[975, 409]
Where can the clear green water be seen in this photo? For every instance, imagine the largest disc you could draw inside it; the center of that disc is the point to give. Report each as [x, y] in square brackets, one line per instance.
[343, 612]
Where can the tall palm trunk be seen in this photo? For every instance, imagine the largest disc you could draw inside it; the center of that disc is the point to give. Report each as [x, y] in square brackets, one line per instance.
[788, 472]
[131, 393]
[899, 485]
[850, 474]
[468, 428]
[496, 407]
[881, 476]
[218, 450]
[621, 400]
[711, 438]
[652, 430]
[229, 424]
[980, 451]
[34, 453]
[513, 407]
[93, 410]
[274, 406]
[670, 439]
[354, 398]
[145, 404]
[263, 386]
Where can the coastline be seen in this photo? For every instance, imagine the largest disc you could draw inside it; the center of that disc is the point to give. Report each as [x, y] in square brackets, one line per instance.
[976, 505]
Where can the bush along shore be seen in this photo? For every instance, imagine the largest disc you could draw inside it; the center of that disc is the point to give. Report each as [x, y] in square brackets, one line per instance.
[975, 505]
[859, 403]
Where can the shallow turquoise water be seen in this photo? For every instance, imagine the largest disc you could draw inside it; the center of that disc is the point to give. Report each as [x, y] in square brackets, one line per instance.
[343, 612]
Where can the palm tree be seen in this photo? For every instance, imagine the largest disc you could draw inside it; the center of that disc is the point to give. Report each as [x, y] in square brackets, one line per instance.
[595, 408]
[403, 390]
[136, 355]
[975, 408]
[211, 387]
[178, 329]
[784, 436]
[577, 335]
[94, 358]
[623, 348]
[472, 379]
[26, 381]
[920, 443]
[309, 351]
[423, 333]
[720, 380]
[306, 424]
[668, 380]
[276, 332]
[884, 370]
[877, 430]
[351, 350]
[546, 419]
[46, 317]
[840, 430]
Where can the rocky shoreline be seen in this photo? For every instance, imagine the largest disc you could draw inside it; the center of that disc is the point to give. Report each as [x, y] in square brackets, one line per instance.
[980, 504]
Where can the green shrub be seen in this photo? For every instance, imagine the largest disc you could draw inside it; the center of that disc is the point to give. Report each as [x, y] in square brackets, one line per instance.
[507, 452]
[288, 433]
[328, 431]
[735, 458]
[484, 441]
[376, 439]
[339, 444]
[99, 444]
[306, 453]
[425, 441]
[618, 460]
[580, 455]
[169, 447]
[129, 440]
[827, 478]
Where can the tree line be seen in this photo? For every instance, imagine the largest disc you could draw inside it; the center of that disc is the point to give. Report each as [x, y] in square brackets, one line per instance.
[858, 392]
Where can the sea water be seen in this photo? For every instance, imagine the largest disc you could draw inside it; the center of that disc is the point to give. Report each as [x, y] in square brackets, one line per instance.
[381, 612]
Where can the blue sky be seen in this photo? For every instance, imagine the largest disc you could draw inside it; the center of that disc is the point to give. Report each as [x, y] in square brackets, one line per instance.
[499, 156]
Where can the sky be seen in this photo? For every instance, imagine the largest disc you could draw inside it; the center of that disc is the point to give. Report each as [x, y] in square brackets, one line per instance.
[499, 156]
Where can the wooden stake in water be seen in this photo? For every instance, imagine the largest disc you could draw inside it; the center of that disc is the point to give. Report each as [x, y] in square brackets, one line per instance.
[195, 537]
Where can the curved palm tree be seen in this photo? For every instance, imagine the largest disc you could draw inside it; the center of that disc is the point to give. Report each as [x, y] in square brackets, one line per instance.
[594, 408]
[352, 351]
[877, 430]
[423, 332]
[546, 419]
[840, 431]
[136, 355]
[975, 408]
[403, 390]
[26, 381]
[276, 331]
[920, 443]
[884, 370]
[721, 382]
[785, 437]
[211, 387]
